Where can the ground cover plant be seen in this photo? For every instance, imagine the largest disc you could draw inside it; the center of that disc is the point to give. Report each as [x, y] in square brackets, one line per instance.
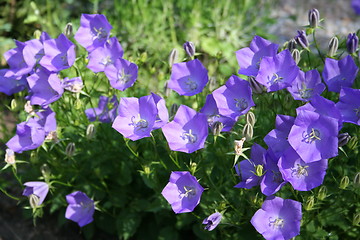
[269, 150]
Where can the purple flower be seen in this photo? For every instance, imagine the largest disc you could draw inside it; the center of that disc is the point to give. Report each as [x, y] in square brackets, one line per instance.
[122, 74]
[314, 136]
[277, 72]
[306, 85]
[352, 43]
[45, 87]
[183, 192]
[46, 119]
[73, 84]
[234, 98]
[212, 112]
[212, 221]
[355, 4]
[278, 218]
[339, 73]
[249, 58]
[188, 78]
[302, 176]
[39, 189]
[136, 117]
[162, 116]
[349, 105]
[93, 32]
[80, 209]
[15, 59]
[187, 132]
[59, 54]
[104, 56]
[10, 83]
[106, 111]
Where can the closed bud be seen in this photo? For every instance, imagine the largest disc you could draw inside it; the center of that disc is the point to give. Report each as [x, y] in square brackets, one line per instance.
[37, 34]
[333, 46]
[256, 87]
[302, 40]
[173, 109]
[250, 118]
[90, 131]
[353, 143]
[248, 132]
[291, 45]
[212, 83]
[259, 170]
[296, 56]
[173, 57]
[45, 171]
[343, 139]
[217, 127]
[13, 104]
[238, 145]
[344, 183]
[10, 156]
[309, 205]
[78, 104]
[68, 31]
[70, 149]
[356, 220]
[314, 18]
[189, 48]
[167, 90]
[352, 43]
[193, 167]
[357, 180]
[322, 194]
[34, 201]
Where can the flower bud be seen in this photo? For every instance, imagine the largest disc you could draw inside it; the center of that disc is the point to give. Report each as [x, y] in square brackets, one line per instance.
[45, 171]
[70, 149]
[10, 156]
[333, 46]
[343, 139]
[357, 180]
[173, 109]
[259, 170]
[68, 31]
[322, 194]
[248, 132]
[37, 34]
[291, 45]
[13, 104]
[256, 87]
[189, 48]
[356, 220]
[309, 203]
[344, 182]
[238, 145]
[314, 18]
[296, 56]
[250, 118]
[301, 39]
[212, 83]
[173, 57]
[217, 127]
[167, 90]
[193, 167]
[90, 131]
[34, 201]
[352, 43]
[353, 143]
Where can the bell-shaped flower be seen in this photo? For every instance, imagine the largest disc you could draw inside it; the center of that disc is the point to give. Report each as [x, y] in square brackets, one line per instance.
[39, 189]
[234, 98]
[10, 83]
[306, 85]
[188, 78]
[93, 32]
[187, 132]
[80, 209]
[249, 58]
[162, 116]
[339, 73]
[277, 72]
[136, 117]
[278, 218]
[105, 55]
[183, 192]
[15, 59]
[349, 105]
[212, 221]
[106, 111]
[122, 74]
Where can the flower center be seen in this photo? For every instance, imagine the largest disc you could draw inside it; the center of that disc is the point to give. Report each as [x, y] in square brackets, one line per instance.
[312, 136]
[106, 61]
[300, 171]
[192, 85]
[100, 33]
[123, 77]
[305, 92]
[275, 79]
[241, 104]
[189, 192]
[64, 59]
[277, 223]
[189, 136]
[140, 124]
[212, 119]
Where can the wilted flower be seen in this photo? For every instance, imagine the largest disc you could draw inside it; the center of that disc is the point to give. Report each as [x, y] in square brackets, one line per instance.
[183, 192]
[10, 156]
[212, 221]
[122, 74]
[238, 145]
[80, 209]
[278, 218]
[39, 189]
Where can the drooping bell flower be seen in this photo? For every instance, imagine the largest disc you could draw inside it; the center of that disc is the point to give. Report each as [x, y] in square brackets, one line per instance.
[278, 218]
[234, 98]
[349, 105]
[212, 221]
[183, 192]
[277, 72]
[122, 74]
[306, 85]
[136, 117]
[106, 111]
[39, 189]
[188, 78]
[339, 73]
[187, 132]
[80, 209]
[249, 58]
[10, 83]
[105, 55]
[93, 32]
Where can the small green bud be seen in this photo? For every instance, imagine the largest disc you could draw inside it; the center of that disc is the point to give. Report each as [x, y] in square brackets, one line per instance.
[70, 149]
[322, 194]
[256, 87]
[34, 201]
[45, 171]
[259, 170]
[248, 132]
[250, 118]
[68, 31]
[353, 143]
[238, 145]
[333, 46]
[37, 34]
[90, 131]
[77, 104]
[193, 167]
[13, 105]
[143, 57]
[291, 45]
[167, 90]
[344, 182]
[314, 18]
[356, 220]
[173, 109]
[212, 84]
[357, 180]
[296, 55]
[309, 203]
[173, 57]
[217, 127]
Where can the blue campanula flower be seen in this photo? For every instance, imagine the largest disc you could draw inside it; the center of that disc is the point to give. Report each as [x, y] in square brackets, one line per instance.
[122, 74]
[106, 111]
[39, 189]
[10, 83]
[80, 209]
[162, 116]
[73, 84]
[212, 221]
[349, 105]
